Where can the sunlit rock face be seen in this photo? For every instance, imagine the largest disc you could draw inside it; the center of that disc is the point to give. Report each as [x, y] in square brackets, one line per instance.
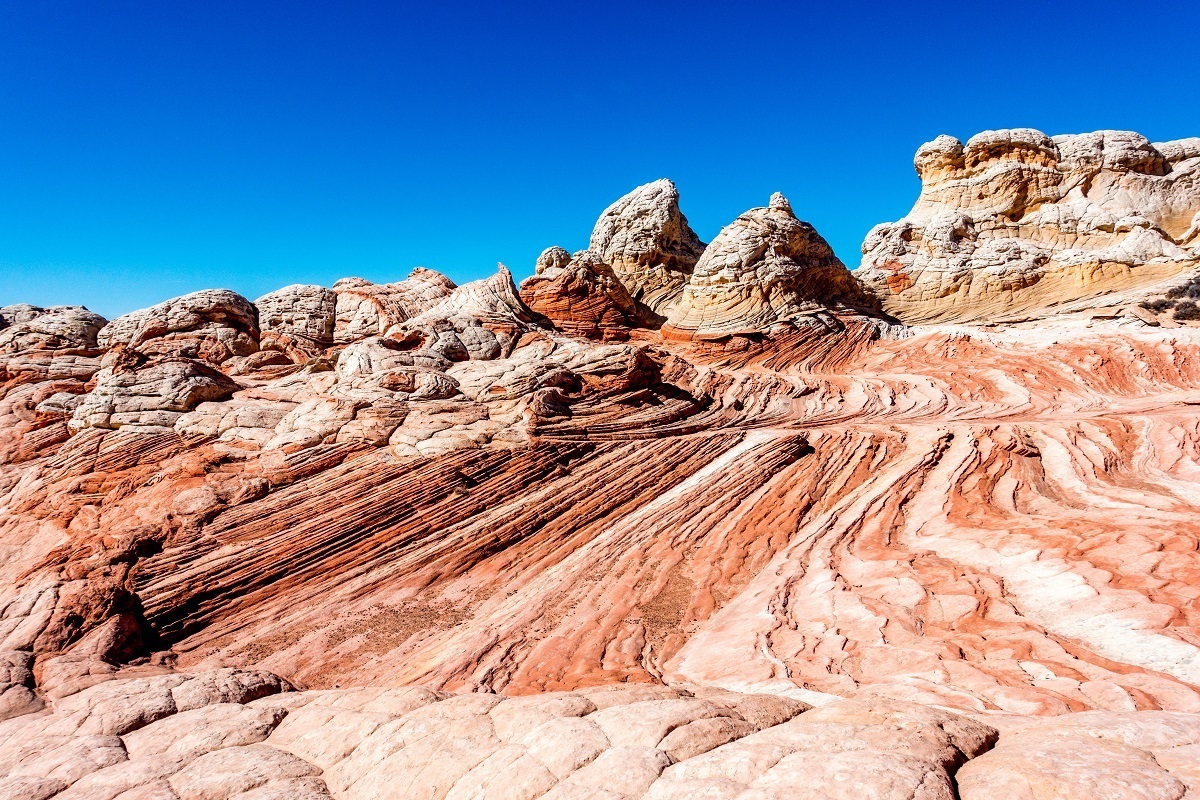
[765, 267]
[1016, 223]
[297, 320]
[432, 541]
[580, 295]
[366, 309]
[647, 242]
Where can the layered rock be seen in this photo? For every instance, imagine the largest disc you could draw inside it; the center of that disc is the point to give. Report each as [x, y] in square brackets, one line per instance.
[1016, 222]
[763, 268]
[232, 733]
[162, 361]
[366, 309]
[646, 240]
[1093, 754]
[213, 325]
[580, 296]
[589, 558]
[66, 329]
[149, 396]
[298, 320]
[46, 344]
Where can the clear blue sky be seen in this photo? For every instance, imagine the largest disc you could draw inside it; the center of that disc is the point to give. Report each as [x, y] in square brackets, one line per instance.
[150, 149]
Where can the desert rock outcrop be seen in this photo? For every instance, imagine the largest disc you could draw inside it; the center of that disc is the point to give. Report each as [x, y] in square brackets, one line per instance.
[213, 325]
[245, 734]
[65, 329]
[646, 240]
[149, 396]
[366, 309]
[298, 320]
[48, 344]
[530, 543]
[1015, 223]
[764, 267]
[580, 295]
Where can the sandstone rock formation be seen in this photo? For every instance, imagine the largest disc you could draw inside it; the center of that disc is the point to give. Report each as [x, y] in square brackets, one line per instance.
[244, 734]
[580, 296]
[1015, 223]
[67, 329]
[366, 309]
[151, 396]
[530, 543]
[48, 344]
[298, 320]
[212, 325]
[646, 240]
[764, 267]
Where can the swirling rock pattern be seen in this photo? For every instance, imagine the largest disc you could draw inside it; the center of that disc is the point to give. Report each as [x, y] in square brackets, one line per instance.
[533, 543]
[1015, 223]
[366, 309]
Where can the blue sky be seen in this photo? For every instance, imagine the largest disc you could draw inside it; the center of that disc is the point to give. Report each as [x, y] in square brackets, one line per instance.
[151, 149]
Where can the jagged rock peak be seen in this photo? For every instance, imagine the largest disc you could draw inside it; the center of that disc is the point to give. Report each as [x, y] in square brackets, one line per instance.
[646, 239]
[1016, 222]
[764, 267]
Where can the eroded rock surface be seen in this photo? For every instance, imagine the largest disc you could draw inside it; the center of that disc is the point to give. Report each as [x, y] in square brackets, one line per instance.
[764, 267]
[580, 295]
[297, 320]
[212, 326]
[1015, 223]
[244, 734]
[646, 240]
[536, 543]
[366, 309]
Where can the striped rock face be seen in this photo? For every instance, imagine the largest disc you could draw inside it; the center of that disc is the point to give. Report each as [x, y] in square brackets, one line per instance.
[461, 547]
[1017, 224]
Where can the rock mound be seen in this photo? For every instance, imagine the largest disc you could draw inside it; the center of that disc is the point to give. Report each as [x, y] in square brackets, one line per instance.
[212, 325]
[764, 267]
[580, 296]
[298, 320]
[367, 309]
[66, 329]
[1015, 223]
[646, 240]
[149, 396]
